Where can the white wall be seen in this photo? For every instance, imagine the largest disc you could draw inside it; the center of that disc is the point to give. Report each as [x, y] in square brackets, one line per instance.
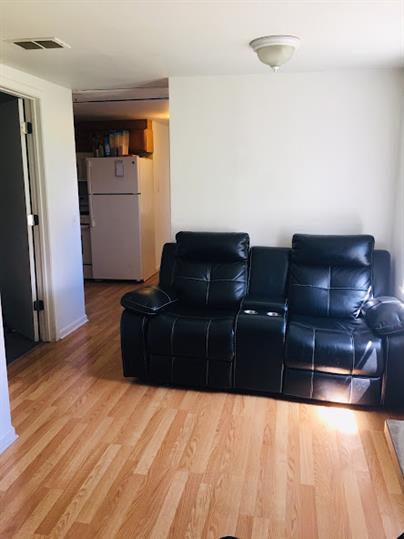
[59, 198]
[398, 234]
[161, 171]
[284, 153]
[7, 432]
[59, 195]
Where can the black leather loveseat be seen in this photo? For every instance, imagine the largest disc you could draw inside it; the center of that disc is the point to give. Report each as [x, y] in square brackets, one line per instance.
[315, 322]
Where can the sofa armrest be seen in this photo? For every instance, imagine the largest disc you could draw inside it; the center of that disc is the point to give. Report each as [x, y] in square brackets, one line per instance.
[264, 305]
[149, 300]
[384, 315]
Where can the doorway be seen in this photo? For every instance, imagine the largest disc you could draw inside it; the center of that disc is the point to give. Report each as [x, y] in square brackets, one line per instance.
[143, 114]
[19, 274]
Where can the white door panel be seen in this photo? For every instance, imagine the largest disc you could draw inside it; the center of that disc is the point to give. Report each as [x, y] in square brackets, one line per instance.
[110, 175]
[115, 237]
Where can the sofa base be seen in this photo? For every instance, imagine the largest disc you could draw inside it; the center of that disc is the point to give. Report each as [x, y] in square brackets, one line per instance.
[332, 387]
[194, 372]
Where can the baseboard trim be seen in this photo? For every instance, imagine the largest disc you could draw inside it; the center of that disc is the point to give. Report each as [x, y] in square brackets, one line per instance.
[72, 327]
[9, 438]
[394, 436]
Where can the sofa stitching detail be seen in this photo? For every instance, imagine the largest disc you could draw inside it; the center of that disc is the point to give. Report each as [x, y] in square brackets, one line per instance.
[161, 290]
[208, 285]
[172, 337]
[147, 307]
[207, 338]
[145, 358]
[386, 367]
[352, 368]
[207, 351]
[329, 291]
[326, 288]
[236, 318]
[312, 363]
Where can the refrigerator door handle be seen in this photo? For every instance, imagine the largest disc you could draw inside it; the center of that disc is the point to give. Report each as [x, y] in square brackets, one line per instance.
[90, 209]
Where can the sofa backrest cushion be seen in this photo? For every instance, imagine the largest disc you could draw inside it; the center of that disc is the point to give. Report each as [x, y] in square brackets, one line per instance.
[211, 268]
[382, 279]
[330, 276]
[167, 266]
[268, 273]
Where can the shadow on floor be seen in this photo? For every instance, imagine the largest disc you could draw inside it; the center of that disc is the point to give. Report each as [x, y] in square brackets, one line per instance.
[16, 345]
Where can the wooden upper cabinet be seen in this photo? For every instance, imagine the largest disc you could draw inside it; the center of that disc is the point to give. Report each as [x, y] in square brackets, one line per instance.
[141, 140]
[140, 134]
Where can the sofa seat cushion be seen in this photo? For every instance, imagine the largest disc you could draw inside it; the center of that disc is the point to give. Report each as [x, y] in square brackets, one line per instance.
[183, 332]
[333, 346]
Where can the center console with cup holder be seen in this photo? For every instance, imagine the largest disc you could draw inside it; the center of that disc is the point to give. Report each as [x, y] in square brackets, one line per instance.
[261, 324]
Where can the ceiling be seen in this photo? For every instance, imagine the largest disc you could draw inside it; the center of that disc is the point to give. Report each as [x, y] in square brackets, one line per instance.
[122, 110]
[116, 44]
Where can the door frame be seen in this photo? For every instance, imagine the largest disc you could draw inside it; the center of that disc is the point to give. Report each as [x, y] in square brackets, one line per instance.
[34, 144]
[35, 275]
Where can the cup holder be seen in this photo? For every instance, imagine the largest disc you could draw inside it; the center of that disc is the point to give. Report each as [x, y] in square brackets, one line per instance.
[273, 314]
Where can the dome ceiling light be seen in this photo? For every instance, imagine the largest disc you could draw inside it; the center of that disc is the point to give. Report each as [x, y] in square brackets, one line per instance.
[275, 50]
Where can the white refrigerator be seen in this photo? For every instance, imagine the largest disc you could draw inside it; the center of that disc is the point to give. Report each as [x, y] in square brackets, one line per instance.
[121, 205]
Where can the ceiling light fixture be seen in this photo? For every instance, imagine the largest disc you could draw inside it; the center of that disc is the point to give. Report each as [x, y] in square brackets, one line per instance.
[275, 50]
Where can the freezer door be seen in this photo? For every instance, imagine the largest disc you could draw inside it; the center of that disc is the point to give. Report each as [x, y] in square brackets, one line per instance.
[110, 175]
[115, 237]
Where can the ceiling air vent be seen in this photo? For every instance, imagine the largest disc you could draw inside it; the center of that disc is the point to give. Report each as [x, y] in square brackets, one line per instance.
[38, 43]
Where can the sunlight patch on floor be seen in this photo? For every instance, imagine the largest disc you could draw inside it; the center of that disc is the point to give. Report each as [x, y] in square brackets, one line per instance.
[339, 419]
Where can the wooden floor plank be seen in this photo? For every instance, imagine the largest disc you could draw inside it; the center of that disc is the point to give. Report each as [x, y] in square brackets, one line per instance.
[100, 456]
[169, 507]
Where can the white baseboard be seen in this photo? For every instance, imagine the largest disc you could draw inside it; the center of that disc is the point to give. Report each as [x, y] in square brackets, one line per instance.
[64, 332]
[6, 440]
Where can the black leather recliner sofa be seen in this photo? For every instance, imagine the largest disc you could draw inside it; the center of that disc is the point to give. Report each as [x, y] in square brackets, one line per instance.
[315, 322]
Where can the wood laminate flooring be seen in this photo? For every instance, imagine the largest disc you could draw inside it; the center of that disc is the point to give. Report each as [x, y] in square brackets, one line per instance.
[101, 456]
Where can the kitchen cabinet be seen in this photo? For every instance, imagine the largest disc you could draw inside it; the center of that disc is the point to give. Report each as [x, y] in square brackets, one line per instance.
[140, 134]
